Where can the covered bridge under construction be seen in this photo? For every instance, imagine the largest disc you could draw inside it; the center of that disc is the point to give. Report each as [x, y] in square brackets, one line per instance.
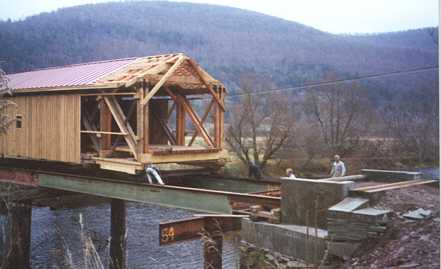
[120, 114]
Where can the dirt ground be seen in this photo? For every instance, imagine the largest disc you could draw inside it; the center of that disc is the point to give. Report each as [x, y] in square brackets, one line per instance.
[408, 243]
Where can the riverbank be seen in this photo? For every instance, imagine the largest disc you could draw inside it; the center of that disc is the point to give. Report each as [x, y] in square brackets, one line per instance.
[408, 243]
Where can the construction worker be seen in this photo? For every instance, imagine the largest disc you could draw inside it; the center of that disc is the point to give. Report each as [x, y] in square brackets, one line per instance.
[290, 173]
[152, 172]
[338, 168]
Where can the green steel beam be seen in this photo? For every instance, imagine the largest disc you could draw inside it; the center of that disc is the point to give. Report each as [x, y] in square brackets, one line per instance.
[211, 201]
[227, 184]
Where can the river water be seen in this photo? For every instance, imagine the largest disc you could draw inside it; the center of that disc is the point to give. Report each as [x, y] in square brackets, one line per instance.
[56, 239]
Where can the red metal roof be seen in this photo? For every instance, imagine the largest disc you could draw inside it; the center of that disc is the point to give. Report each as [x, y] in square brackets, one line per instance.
[66, 76]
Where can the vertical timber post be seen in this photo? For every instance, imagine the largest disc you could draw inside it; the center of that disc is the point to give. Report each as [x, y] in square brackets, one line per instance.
[105, 126]
[213, 245]
[19, 226]
[142, 122]
[219, 119]
[180, 123]
[118, 233]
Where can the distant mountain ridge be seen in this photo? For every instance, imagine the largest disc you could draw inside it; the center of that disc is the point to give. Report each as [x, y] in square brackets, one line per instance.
[227, 41]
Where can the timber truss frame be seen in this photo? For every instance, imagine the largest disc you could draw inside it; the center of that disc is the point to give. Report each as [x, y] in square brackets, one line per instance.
[169, 84]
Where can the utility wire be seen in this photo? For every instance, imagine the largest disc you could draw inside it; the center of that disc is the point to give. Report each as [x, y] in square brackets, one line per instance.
[338, 81]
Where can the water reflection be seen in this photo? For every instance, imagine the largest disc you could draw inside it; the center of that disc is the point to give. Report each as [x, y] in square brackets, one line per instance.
[56, 238]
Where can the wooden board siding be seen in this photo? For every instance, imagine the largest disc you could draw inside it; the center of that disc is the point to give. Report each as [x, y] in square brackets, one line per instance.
[50, 129]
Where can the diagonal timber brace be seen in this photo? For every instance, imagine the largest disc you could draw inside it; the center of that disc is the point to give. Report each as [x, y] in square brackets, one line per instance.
[120, 119]
[161, 82]
[205, 82]
[204, 117]
[193, 116]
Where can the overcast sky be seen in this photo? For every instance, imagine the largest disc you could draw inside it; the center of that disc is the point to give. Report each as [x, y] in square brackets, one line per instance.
[335, 16]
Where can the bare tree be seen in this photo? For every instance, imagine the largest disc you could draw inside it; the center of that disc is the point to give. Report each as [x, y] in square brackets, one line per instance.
[260, 125]
[339, 113]
[413, 125]
[5, 119]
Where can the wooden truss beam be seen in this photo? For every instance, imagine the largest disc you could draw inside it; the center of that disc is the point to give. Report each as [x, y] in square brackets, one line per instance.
[181, 100]
[120, 119]
[166, 76]
[204, 117]
[205, 82]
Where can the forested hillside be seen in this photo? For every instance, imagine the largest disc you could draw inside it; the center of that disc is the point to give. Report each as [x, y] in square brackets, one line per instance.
[227, 41]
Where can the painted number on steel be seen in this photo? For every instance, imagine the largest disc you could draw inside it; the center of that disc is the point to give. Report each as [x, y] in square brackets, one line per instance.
[167, 234]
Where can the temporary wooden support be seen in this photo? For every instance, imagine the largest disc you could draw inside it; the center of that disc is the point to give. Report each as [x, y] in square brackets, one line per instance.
[166, 76]
[120, 119]
[118, 232]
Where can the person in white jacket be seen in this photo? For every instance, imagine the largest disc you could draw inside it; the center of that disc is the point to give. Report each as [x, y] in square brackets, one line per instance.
[338, 168]
[290, 173]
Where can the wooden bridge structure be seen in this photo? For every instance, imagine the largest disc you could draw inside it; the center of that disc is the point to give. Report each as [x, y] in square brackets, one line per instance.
[119, 114]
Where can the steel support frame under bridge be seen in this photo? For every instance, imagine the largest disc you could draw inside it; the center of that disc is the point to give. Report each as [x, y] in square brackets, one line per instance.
[201, 200]
[196, 199]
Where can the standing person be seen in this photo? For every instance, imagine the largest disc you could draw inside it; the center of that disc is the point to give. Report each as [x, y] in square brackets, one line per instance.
[153, 172]
[338, 167]
[290, 173]
[254, 170]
